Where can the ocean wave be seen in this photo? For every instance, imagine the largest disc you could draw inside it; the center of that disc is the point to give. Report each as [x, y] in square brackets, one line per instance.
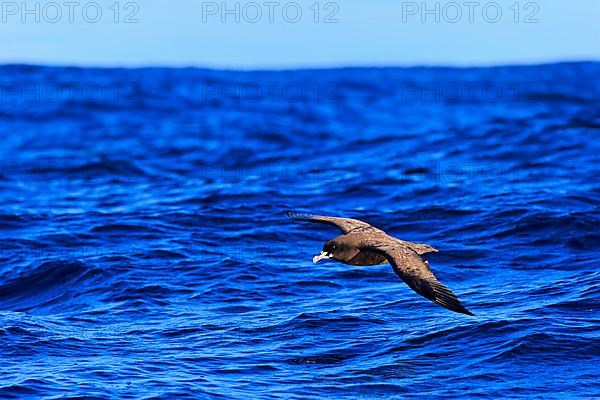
[145, 244]
[45, 284]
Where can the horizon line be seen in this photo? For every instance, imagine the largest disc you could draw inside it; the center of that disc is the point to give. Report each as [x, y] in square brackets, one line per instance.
[296, 68]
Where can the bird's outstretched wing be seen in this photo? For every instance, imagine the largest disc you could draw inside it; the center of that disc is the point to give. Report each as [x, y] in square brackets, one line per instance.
[346, 225]
[415, 272]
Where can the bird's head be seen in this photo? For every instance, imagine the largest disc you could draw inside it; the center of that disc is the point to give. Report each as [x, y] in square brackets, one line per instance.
[340, 248]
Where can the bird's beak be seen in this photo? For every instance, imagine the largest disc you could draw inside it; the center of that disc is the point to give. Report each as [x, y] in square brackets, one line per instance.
[321, 256]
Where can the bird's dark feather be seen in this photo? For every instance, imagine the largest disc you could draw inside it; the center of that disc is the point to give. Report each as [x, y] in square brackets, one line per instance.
[405, 257]
[415, 272]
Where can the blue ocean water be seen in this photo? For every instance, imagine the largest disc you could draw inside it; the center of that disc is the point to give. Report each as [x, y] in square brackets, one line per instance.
[146, 254]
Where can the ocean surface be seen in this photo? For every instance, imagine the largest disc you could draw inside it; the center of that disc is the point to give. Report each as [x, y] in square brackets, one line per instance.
[145, 251]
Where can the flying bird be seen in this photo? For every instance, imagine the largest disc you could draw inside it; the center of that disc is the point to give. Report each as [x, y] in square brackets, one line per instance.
[363, 244]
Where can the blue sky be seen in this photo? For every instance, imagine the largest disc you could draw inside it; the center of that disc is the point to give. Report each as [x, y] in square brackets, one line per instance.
[272, 34]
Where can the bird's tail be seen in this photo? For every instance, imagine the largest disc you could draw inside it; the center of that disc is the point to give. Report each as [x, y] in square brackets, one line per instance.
[421, 248]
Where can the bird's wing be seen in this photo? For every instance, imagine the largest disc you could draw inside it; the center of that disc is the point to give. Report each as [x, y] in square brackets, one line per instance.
[415, 272]
[346, 225]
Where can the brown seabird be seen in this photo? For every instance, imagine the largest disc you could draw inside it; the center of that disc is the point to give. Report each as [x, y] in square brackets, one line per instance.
[363, 244]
